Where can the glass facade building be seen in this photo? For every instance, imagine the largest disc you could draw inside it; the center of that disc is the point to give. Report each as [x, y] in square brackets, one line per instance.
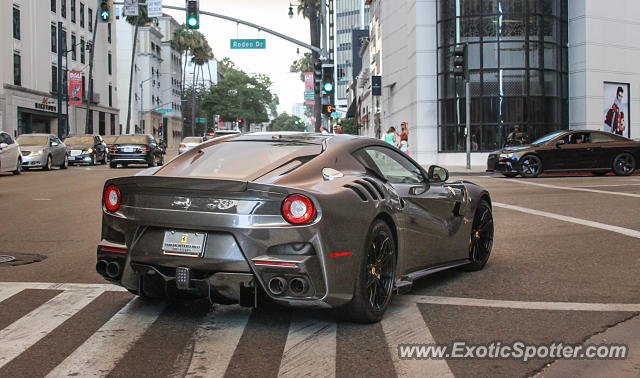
[518, 70]
[347, 19]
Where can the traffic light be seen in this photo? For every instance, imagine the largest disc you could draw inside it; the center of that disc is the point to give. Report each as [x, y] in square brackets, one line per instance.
[193, 14]
[327, 78]
[460, 61]
[327, 109]
[105, 10]
[317, 76]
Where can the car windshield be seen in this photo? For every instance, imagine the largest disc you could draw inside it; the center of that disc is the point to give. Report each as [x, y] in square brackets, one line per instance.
[131, 139]
[79, 140]
[239, 160]
[110, 139]
[547, 137]
[33, 140]
[192, 140]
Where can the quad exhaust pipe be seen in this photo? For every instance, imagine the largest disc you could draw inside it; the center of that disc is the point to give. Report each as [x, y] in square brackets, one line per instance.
[113, 269]
[101, 267]
[277, 285]
[298, 286]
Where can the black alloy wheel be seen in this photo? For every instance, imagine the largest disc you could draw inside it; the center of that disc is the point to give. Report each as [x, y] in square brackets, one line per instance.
[624, 164]
[47, 166]
[375, 281]
[481, 238]
[113, 165]
[18, 168]
[530, 166]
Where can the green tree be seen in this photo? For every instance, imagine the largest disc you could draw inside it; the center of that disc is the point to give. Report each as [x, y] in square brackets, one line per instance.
[286, 122]
[348, 126]
[310, 10]
[140, 20]
[182, 41]
[302, 65]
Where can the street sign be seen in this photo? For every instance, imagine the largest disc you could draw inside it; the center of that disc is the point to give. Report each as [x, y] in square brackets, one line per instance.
[248, 43]
[165, 110]
[201, 120]
[154, 8]
[308, 95]
[335, 114]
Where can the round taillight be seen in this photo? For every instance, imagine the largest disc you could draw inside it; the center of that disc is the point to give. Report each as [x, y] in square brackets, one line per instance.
[298, 209]
[112, 198]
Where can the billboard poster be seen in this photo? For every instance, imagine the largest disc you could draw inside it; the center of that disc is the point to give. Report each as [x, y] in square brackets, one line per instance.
[154, 8]
[616, 108]
[308, 89]
[130, 8]
[75, 88]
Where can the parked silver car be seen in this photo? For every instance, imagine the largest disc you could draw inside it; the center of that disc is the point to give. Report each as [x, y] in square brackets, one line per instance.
[10, 157]
[188, 143]
[42, 150]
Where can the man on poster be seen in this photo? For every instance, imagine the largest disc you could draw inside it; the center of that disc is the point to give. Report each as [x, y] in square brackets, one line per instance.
[614, 119]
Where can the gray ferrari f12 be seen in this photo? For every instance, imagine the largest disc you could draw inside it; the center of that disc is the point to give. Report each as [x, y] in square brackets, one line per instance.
[313, 220]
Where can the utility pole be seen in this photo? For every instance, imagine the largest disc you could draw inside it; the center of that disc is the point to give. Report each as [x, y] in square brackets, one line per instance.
[91, 55]
[468, 128]
[61, 45]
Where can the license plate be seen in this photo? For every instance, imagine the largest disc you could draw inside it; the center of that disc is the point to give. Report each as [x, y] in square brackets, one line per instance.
[128, 149]
[180, 243]
[75, 152]
[72, 158]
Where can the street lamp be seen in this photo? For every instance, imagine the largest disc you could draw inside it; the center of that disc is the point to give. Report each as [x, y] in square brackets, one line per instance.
[142, 96]
[290, 10]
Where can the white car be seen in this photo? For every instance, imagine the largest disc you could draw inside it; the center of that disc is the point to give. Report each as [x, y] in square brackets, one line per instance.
[188, 143]
[10, 155]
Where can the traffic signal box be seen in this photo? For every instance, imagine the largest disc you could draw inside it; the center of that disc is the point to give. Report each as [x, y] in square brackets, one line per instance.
[460, 61]
[328, 109]
[105, 8]
[317, 76]
[193, 14]
[328, 85]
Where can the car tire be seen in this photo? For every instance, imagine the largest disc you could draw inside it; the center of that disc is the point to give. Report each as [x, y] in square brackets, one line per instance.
[509, 174]
[624, 164]
[47, 166]
[93, 160]
[113, 165]
[18, 168]
[153, 162]
[481, 237]
[367, 304]
[161, 162]
[65, 162]
[530, 166]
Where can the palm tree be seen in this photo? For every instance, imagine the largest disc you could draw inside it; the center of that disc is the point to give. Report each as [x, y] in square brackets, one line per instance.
[309, 10]
[182, 41]
[202, 53]
[140, 20]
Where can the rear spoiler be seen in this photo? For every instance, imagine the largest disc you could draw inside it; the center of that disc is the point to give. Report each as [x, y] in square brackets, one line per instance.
[180, 183]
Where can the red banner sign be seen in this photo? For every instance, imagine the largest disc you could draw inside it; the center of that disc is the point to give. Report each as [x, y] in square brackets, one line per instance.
[75, 88]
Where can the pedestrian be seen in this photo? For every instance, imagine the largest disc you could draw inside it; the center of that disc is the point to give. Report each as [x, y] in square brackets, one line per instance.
[390, 136]
[323, 130]
[403, 135]
[404, 144]
[338, 129]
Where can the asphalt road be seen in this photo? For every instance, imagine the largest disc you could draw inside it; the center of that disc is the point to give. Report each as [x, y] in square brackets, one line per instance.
[564, 268]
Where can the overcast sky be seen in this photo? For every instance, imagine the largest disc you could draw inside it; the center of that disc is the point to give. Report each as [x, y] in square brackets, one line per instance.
[279, 53]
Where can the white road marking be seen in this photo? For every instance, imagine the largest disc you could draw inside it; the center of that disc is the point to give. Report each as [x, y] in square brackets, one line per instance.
[606, 185]
[403, 324]
[8, 292]
[61, 286]
[42, 199]
[570, 188]
[29, 329]
[100, 353]
[584, 222]
[310, 350]
[216, 340]
[551, 306]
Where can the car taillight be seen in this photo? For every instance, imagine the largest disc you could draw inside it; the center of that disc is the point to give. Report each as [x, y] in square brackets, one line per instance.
[113, 148]
[112, 198]
[298, 209]
[182, 145]
[144, 148]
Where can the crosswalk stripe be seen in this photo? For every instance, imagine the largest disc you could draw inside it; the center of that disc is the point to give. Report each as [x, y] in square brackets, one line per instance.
[23, 333]
[100, 353]
[310, 350]
[60, 286]
[403, 324]
[216, 340]
[8, 292]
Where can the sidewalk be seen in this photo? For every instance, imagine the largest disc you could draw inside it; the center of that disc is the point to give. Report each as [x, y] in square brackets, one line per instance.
[455, 170]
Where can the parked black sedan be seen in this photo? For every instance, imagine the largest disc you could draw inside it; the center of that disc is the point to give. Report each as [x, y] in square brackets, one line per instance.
[568, 151]
[136, 149]
[312, 220]
[88, 149]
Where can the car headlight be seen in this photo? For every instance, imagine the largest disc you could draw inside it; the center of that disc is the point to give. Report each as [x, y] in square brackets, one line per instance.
[37, 153]
[506, 156]
[88, 150]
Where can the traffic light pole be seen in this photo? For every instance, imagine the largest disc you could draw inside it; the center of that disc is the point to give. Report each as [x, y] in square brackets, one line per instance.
[468, 101]
[62, 44]
[89, 98]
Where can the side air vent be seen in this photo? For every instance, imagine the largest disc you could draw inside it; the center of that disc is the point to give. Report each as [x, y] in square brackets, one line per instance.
[375, 185]
[368, 188]
[357, 191]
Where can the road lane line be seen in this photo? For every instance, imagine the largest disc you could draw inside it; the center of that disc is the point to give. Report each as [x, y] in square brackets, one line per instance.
[606, 185]
[29, 329]
[216, 339]
[570, 188]
[97, 356]
[551, 306]
[584, 222]
[310, 350]
[403, 324]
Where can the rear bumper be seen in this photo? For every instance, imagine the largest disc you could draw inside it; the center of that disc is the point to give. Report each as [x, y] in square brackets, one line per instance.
[129, 158]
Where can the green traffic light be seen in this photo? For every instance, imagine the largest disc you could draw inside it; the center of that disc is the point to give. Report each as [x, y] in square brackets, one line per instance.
[104, 15]
[328, 87]
[192, 21]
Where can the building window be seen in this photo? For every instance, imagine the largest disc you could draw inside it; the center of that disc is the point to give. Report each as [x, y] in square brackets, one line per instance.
[73, 11]
[81, 15]
[63, 8]
[109, 63]
[65, 82]
[54, 39]
[101, 123]
[113, 124]
[16, 23]
[90, 19]
[84, 88]
[73, 47]
[53, 6]
[17, 70]
[82, 50]
[63, 41]
[110, 95]
[54, 79]
[90, 116]
[109, 32]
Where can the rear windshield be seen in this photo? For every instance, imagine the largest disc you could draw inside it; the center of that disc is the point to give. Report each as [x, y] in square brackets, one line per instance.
[33, 140]
[79, 140]
[133, 139]
[239, 160]
[109, 139]
[192, 140]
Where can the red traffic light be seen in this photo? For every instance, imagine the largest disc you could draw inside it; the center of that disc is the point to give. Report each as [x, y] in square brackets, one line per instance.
[239, 120]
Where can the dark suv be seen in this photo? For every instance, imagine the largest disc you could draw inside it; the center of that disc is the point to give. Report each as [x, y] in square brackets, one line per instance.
[136, 149]
[89, 149]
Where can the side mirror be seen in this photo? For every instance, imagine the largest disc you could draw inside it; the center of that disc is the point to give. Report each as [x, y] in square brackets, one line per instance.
[438, 174]
[560, 143]
[3, 145]
[53, 144]
[417, 190]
